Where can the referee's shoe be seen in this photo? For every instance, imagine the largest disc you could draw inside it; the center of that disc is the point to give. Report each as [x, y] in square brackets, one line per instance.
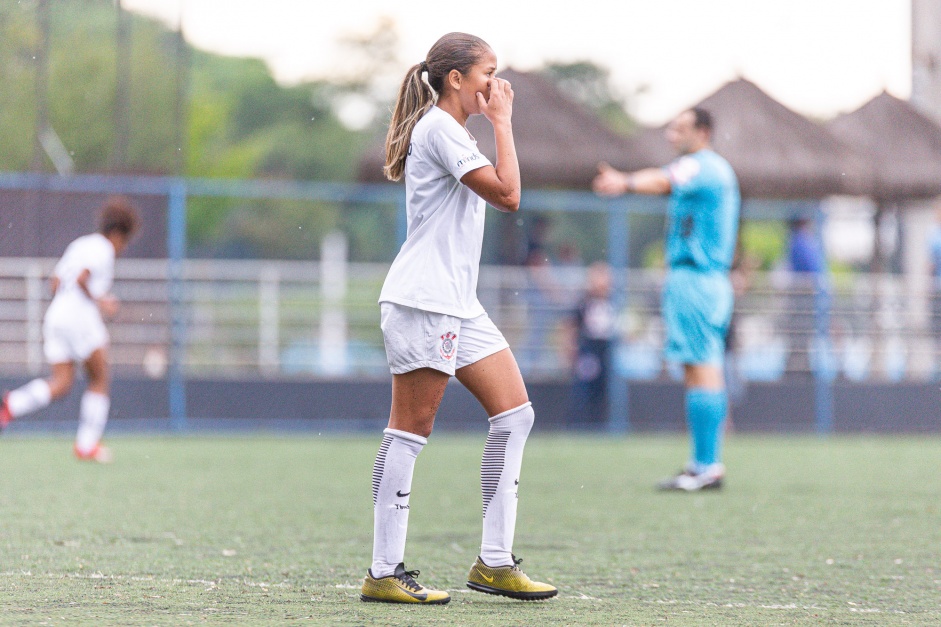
[400, 587]
[508, 581]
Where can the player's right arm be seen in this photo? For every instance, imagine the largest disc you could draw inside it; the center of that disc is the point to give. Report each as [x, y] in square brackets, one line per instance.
[500, 185]
[107, 304]
[612, 182]
[82, 282]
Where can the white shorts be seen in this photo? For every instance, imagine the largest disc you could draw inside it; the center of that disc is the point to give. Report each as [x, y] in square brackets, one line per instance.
[420, 339]
[72, 334]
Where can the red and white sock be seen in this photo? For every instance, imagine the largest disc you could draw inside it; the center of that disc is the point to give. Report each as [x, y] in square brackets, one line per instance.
[92, 421]
[29, 398]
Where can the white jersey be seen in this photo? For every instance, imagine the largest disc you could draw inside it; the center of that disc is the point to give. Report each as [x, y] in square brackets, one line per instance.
[436, 270]
[72, 327]
[94, 253]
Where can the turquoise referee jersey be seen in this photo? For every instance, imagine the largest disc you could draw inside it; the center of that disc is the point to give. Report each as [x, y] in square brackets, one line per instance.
[703, 224]
[704, 208]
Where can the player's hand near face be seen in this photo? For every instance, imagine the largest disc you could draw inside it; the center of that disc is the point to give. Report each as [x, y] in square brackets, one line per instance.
[500, 185]
[499, 107]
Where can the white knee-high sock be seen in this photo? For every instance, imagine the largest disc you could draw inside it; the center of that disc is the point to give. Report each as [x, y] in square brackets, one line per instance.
[391, 486]
[499, 481]
[29, 398]
[92, 420]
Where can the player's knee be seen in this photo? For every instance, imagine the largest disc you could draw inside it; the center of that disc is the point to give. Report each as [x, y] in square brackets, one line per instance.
[519, 417]
[419, 427]
[60, 386]
[424, 432]
[99, 381]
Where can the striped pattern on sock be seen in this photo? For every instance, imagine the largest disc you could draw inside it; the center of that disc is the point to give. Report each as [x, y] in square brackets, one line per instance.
[491, 468]
[380, 466]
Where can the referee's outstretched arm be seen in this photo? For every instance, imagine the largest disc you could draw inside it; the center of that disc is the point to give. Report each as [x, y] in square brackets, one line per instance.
[612, 182]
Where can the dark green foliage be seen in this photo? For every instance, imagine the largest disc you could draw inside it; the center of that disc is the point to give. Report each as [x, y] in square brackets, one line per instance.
[255, 127]
[239, 123]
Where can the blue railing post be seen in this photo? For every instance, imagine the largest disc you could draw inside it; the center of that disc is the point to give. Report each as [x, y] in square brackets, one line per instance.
[824, 364]
[618, 225]
[176, 252]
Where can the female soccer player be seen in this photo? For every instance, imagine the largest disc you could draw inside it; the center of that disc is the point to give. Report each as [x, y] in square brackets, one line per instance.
[432, 322]
[73, 329]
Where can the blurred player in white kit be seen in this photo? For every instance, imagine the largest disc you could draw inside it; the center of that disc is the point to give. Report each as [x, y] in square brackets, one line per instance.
[74, 329]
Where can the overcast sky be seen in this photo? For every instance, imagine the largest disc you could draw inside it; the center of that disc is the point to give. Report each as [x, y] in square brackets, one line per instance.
[819, 57]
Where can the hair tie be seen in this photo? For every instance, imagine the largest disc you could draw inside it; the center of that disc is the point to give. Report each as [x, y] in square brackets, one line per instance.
[423, 66]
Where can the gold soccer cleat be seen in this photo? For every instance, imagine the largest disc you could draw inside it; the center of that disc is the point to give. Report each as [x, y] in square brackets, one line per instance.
[508, 581]
[400, 587]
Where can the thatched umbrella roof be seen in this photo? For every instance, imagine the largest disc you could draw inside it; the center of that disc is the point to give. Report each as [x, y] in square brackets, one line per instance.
[775, 152]
[559, 143]
[903, 144]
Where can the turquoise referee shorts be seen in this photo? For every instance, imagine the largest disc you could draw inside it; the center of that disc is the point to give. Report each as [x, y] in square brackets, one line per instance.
[697, 308]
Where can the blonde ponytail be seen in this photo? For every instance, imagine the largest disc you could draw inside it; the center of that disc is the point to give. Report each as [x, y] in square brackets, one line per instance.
[415, 98]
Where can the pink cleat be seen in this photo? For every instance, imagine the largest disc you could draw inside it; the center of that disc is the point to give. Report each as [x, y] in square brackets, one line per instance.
[100, 454]
[5, 415]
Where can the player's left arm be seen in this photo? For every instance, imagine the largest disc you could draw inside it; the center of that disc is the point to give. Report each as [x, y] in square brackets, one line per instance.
[612, 182]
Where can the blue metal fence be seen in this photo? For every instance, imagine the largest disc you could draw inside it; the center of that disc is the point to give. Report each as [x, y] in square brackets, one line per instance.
[618, 211]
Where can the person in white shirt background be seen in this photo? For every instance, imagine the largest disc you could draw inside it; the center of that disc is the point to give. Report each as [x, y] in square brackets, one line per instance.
[433, 325]
[74, 330]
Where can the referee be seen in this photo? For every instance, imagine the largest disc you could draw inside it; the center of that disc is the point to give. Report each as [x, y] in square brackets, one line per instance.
[697, 295]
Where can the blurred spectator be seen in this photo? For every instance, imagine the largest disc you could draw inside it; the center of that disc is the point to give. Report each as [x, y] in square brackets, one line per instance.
[569, 273]
[544, 299]
[740, 274]
[808, 307]
[593, 327]
[568, 254]
[805, 251]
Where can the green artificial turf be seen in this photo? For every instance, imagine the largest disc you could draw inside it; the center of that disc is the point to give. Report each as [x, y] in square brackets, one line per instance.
[278, 530]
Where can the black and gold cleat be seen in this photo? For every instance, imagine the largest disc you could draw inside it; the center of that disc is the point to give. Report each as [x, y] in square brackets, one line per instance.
[508, 581]
[400, 587]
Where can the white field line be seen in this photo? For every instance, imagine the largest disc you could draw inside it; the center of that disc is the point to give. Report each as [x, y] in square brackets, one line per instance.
[580, 596]
[174, 581]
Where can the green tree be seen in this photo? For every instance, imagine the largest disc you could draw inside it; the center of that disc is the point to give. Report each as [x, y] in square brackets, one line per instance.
[18, 37]
[240, 123]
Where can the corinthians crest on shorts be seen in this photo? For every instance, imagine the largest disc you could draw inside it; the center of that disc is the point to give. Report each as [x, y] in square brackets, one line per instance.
[448, 347]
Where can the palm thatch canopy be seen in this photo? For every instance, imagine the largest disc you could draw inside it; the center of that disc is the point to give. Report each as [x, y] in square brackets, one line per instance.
[559, 144]
[775, 152]
[902, 143]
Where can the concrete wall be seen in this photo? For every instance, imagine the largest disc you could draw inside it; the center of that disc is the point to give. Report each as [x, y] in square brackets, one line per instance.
[783, 407]
[41, 224]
